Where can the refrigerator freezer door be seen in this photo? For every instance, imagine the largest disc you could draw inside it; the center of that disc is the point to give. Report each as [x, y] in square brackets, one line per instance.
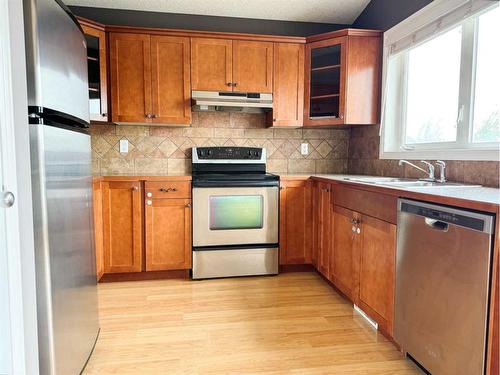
[56, 59]
[64, 250]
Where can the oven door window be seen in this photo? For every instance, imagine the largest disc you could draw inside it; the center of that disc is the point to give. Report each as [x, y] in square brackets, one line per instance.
[236, 212]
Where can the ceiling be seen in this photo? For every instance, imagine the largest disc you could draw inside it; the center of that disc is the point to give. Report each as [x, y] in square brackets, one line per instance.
[323, 11]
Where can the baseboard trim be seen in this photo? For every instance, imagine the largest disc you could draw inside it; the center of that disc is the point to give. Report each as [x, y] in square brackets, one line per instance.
[284, 268]
[141, 276]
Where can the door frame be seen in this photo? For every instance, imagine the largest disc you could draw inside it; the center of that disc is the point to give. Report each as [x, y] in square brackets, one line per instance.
[21, 343]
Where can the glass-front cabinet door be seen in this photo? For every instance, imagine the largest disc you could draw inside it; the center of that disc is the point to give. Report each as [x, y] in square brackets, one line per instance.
[325, 70]
[96, 62]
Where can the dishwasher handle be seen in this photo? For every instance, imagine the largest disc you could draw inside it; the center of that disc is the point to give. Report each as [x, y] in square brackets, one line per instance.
[436, 224]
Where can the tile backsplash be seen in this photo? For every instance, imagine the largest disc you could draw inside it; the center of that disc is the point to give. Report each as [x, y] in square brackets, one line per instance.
[364, 159]
[157, 150]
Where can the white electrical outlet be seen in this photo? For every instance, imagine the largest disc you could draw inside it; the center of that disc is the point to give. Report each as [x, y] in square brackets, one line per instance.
[123, 146]
[304, 148]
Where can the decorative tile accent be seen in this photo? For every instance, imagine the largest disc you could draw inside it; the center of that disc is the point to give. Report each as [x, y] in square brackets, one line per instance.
[158, 150]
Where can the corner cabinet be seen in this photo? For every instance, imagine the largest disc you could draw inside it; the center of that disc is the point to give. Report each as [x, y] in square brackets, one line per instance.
[342, 78]
[95, 37]
[150, 78]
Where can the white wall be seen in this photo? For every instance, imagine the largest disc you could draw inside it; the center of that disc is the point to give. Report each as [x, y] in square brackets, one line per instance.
[19, 349]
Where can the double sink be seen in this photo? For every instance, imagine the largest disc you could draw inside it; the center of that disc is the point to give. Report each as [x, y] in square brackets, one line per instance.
[405, 182]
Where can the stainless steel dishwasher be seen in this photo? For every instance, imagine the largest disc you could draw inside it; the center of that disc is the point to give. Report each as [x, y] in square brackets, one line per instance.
[442, 287]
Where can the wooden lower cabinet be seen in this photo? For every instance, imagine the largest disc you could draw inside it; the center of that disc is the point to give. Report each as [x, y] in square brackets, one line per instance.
[168, 234]
[343, 248]
[363, 263]
[295, 222]
[98, 229]
[122, 226]
[142, 225]
[323, 229]
[377, 270]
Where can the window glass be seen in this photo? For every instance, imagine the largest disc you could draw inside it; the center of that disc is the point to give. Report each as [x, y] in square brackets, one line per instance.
[433, 89]
[486, 126]
[236, 212]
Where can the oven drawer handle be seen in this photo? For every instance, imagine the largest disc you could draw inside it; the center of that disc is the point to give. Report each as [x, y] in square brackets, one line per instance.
[167, 190]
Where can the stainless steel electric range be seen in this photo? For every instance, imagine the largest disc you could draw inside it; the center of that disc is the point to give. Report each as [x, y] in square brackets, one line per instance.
[235, 213]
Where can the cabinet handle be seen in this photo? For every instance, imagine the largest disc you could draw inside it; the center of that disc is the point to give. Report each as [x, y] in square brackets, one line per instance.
[358, 230]
[167, 190]
[274, 119]
[282, 188]
[188, 205]
[149, 202]
[341, 116]
[104, 114]
[149, 194]
[149, 115]
[154, 116]
[353, 228]
[229, 84]
[235, 84]
[355, 221]
[135, 188]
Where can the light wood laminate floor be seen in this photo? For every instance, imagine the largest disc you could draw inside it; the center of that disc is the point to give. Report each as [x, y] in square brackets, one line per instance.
[292, 323]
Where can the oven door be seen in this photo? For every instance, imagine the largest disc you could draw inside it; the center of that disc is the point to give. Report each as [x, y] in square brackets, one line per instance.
[235, 216]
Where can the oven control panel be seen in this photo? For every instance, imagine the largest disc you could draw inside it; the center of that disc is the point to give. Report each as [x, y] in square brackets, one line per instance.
[229, 153]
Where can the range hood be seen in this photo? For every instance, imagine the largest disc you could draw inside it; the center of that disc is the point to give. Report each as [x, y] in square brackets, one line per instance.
[231, 101]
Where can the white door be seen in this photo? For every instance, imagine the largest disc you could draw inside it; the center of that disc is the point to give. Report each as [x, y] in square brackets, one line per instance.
[18, 332]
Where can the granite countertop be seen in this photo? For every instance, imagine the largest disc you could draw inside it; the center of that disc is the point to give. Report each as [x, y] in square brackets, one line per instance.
[471, 193]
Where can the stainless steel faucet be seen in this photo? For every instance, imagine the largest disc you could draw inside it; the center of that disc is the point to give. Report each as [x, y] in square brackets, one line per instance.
[429, 172]
[442, 170]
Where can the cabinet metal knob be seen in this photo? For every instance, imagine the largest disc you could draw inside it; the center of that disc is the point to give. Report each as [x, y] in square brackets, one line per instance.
[229, 84]
[149, 115]
[274, 119]
[154, 116]
[135, 188]
[282, 188]
[8, 199]
[149, 194]
[149, 202]
[235, 84]
[353, 228]
[188, 205]
[104, 114]
[358, 230]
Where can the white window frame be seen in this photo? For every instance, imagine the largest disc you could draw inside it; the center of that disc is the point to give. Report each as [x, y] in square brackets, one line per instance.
[392, 140]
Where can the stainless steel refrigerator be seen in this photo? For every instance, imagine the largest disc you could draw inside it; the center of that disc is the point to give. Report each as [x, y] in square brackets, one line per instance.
[62, 187]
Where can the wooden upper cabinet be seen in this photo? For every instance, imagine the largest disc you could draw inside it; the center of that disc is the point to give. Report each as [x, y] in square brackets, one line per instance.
[211, 64]
[295, 222]
[252, 66]
[171, 82]
[231, 65]
[288, 86]
[130, 66]
[168, 234]
[97, 70]
[122, 226]
[343, 267]
[342, 78]
[377, 270]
